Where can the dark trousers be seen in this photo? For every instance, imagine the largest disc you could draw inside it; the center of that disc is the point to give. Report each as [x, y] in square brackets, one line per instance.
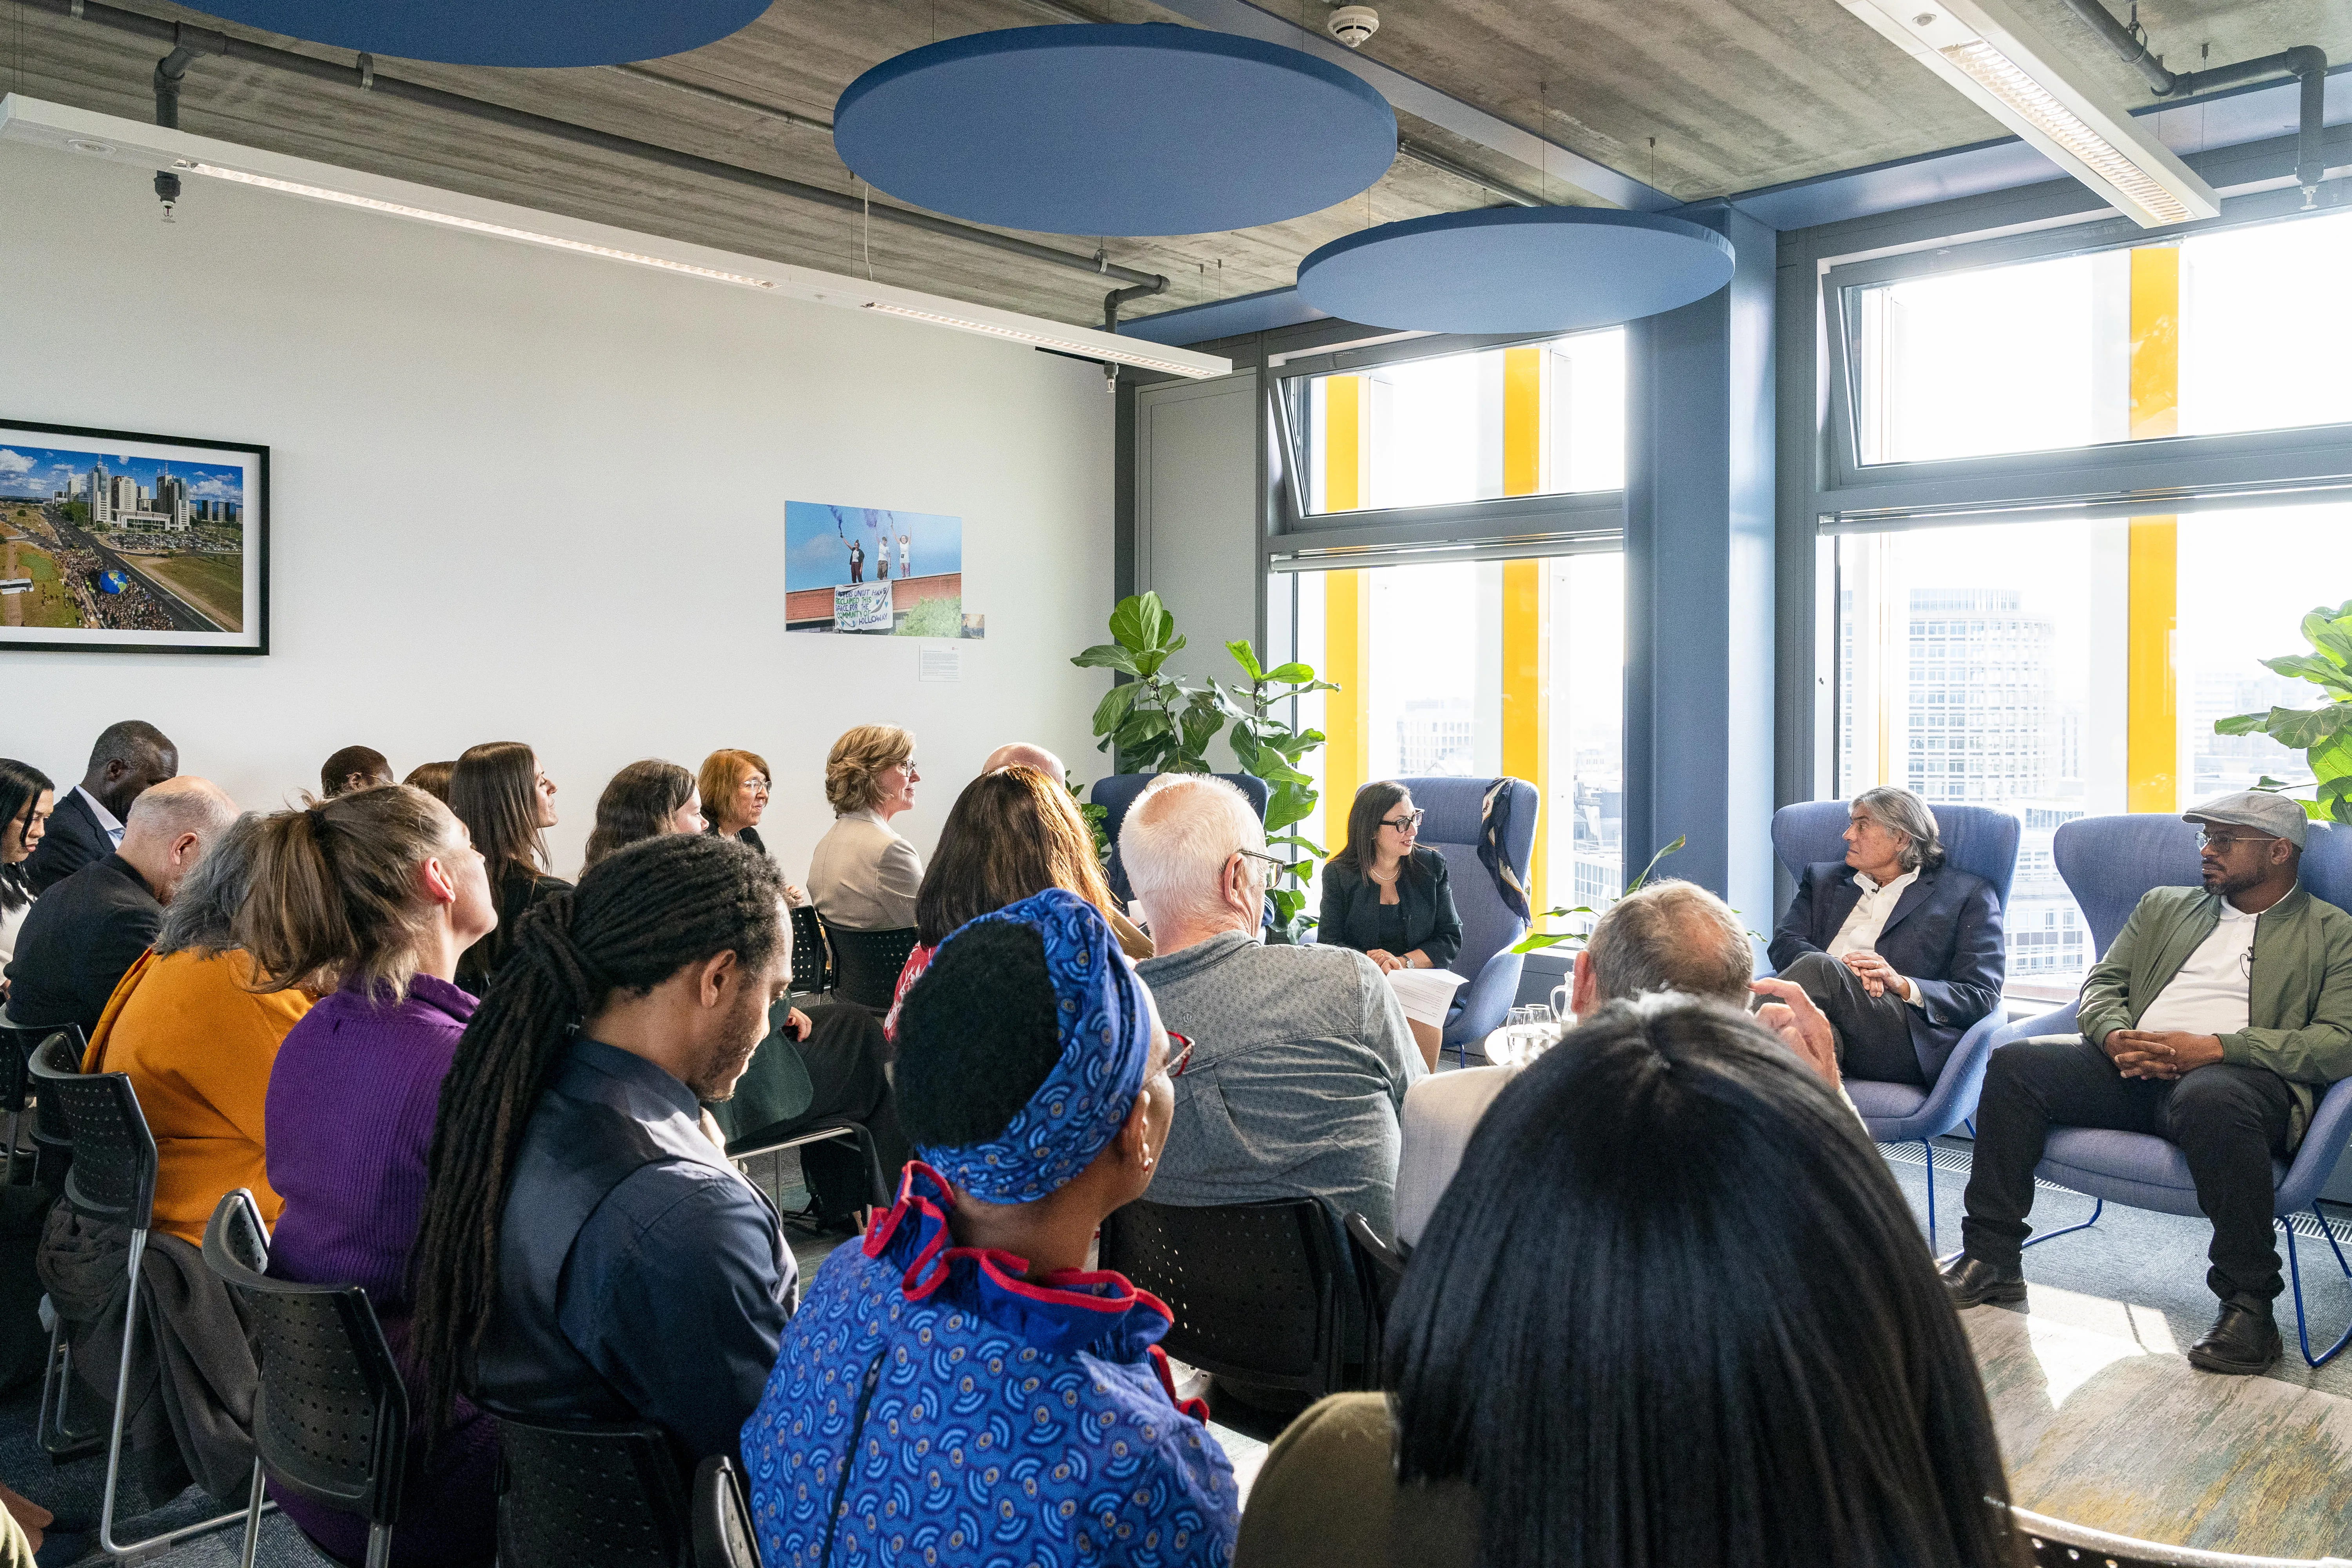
[2227, 1119]
[1874, 1033]
[844, 1054]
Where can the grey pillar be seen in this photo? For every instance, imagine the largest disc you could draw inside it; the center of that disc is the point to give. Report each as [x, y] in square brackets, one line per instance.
[1699, 491]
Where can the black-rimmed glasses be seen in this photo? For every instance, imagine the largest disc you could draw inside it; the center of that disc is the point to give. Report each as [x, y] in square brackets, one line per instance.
[1404, 823]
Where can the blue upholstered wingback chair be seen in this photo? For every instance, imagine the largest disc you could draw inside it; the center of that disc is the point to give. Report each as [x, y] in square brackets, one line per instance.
[2108, 863]
[1977, 839]
[1117, 792]
[1453, 827]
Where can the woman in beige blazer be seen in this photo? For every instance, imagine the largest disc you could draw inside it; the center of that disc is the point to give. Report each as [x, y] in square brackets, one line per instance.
[864, 877]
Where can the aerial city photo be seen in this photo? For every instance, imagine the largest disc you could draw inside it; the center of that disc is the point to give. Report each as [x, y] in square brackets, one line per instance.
[97, 540]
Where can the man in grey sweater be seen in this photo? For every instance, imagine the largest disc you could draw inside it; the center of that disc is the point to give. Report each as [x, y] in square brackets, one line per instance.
[1301, 1058]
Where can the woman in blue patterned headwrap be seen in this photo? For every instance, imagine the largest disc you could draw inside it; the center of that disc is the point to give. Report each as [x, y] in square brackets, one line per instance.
[956, 1389]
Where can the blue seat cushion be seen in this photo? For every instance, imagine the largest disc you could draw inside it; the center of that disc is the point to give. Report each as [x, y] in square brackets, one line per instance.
[2135, 1168]
[1885, 1101]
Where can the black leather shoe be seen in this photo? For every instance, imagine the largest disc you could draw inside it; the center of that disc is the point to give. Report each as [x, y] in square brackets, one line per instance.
[2243, 1341]
[1973, 1282]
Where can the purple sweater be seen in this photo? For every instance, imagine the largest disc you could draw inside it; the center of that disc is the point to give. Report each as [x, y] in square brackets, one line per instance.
[349, 1125]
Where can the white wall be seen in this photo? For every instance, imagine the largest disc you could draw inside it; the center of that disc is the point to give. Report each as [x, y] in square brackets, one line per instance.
[519, 494]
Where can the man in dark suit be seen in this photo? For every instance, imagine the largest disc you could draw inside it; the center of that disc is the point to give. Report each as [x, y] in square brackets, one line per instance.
[82, 936]
[1902, 951]
[129, 758]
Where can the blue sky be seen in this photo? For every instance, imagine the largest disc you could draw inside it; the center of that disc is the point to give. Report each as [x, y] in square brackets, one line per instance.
[42, 471]
[818, 536]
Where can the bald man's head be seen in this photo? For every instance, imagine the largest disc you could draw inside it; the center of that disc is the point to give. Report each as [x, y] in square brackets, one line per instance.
[170, 826]
[1022, 755]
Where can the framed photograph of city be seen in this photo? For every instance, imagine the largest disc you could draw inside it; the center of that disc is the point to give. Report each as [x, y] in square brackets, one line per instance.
[117, 539]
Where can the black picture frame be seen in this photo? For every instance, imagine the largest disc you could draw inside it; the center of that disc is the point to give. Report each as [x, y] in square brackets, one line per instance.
[194, 608]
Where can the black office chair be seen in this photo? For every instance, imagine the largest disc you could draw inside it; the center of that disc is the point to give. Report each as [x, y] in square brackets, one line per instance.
[878, 1189]
[865, 963]
[111, 1182]
[812, 966]
[590, 1495]
[330, 1419]
[724, 1535]
[52, 1141]
[1379, 1270]
[1262, 1293]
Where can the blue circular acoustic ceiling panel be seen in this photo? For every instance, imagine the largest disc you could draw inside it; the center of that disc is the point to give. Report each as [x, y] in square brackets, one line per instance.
[1109, 129]
[1515, 269]
[501, 32]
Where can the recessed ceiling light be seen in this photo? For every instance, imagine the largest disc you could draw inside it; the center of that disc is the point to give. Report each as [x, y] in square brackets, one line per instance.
[95, 149]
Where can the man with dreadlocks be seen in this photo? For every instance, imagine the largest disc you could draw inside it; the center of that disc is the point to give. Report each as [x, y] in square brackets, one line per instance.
[957, 1389]
[587, 1252]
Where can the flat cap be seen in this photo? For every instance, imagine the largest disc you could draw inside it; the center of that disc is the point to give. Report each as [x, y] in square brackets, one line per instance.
[2258, 809]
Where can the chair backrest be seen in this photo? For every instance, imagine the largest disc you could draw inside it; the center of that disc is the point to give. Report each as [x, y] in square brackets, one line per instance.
[331, 1418]
[724, 1536]
[1979, 839]
[1261, 1292]
[1117, 792]
[865, 963]
[52, 1139]
[112, 1178]
[1454, 824]
[2110, 863]
[810, 964]
[2326, 869]
[592, 1495]
[1379, 1270]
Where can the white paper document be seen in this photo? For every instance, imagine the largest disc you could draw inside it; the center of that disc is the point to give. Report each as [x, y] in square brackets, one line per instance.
[1426, 993]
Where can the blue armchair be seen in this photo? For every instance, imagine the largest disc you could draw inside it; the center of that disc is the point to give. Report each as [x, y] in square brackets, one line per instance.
[1117, 792]
[1977, 839]
[1453, 827]
[2108, 863]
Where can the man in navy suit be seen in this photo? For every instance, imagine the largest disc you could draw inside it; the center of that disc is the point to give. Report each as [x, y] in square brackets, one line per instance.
[1901, 951]
[128, 759]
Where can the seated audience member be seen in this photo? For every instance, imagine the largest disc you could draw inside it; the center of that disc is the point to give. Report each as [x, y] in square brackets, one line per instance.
[198, 1042]
[1902, 951]
[838, 1051]
[588, 1254]
[1024, 1396]
[84, 933]
[433, 778]
[735, 785]
[1667, 936]
[27, 798]
[864, 877]
[1026, 755]
[508, 803]
[1546, 1407]
[1013, 831]
[644, 800]
[2215, 1022]
[353, 767]
[130, 757]
[375, 894]
[1389, 898]
[1301, 1058]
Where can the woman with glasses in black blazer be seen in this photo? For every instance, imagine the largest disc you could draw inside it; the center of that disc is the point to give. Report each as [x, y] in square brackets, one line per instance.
[1385, 896]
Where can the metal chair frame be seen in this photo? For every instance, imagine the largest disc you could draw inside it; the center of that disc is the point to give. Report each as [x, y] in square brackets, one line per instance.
[724, 1536]
[64, 1080]
[18, 1044]
[855, 1132]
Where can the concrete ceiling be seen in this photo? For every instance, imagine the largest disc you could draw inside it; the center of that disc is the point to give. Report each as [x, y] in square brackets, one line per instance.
[1738, 94]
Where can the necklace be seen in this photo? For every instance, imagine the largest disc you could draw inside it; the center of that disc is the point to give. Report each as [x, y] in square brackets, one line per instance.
[1384, 881]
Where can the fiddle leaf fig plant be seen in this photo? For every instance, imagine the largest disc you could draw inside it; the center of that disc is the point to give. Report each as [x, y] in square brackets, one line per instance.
[1150, 722]
[2322, 732]
[1270, 749]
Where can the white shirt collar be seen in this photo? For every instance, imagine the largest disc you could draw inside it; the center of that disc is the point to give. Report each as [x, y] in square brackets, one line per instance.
[106, 819]
[1870, 884]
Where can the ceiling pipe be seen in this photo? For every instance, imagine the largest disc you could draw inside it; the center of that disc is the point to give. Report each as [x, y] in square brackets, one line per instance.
[2306, 62]
[203, 41]
[713, 95]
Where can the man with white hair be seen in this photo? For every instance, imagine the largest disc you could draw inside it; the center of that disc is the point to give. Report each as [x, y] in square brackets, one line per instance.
[1300, 1055]
[83, 935]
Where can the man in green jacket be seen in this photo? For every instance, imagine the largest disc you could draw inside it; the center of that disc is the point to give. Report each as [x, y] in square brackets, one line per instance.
[2216, 1021]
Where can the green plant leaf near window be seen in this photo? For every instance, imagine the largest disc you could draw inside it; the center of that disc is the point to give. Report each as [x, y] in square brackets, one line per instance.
[1536, 940]
[2319, 732]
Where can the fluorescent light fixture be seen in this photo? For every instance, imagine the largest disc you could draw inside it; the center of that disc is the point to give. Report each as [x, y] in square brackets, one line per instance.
[1993, 55]
[470, 225]
[1099, 346]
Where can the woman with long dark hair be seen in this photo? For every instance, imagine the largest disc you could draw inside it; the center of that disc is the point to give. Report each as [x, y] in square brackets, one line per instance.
[644, 800]
[508, 803]
[1387, 897]
[1673, 1310]
[26, 797]
[371, 897]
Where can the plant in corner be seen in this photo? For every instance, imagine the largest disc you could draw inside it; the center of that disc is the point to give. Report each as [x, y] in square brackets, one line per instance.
[1271, 750]
[1156, 722]
[2322, 732]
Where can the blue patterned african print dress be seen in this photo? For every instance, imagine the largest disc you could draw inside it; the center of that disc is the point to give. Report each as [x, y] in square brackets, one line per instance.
[931, 1407]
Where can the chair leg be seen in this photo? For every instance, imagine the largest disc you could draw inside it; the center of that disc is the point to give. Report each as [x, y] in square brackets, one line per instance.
[2097, 1209]
[16, 1115]
[1929, 1146]
[379, 1547]
[56, 1389]
[2295, 1273]
[253, 1503]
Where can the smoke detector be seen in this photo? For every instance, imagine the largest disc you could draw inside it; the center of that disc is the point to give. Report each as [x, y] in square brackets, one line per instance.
[1352, 24]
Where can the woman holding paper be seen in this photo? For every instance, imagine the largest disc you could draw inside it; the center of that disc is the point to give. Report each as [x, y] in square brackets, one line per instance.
[1385, 896]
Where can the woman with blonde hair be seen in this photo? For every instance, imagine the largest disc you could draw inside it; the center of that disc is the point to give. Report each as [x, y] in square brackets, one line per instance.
[864, 877]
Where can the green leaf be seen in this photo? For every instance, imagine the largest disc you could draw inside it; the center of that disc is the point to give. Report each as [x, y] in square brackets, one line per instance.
[1135, 622]
[2242, 724]
[1293, 841]
[1108, 656]
[1287, 903]
[2307, 727]
[1246, 657]
[2330, 636]
[1291, 674]
[1201, 723]
[1637, 883]
[1111, 711]
[1535, 942]
[1288, 804]
[1141, 726]
[2321, 671]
